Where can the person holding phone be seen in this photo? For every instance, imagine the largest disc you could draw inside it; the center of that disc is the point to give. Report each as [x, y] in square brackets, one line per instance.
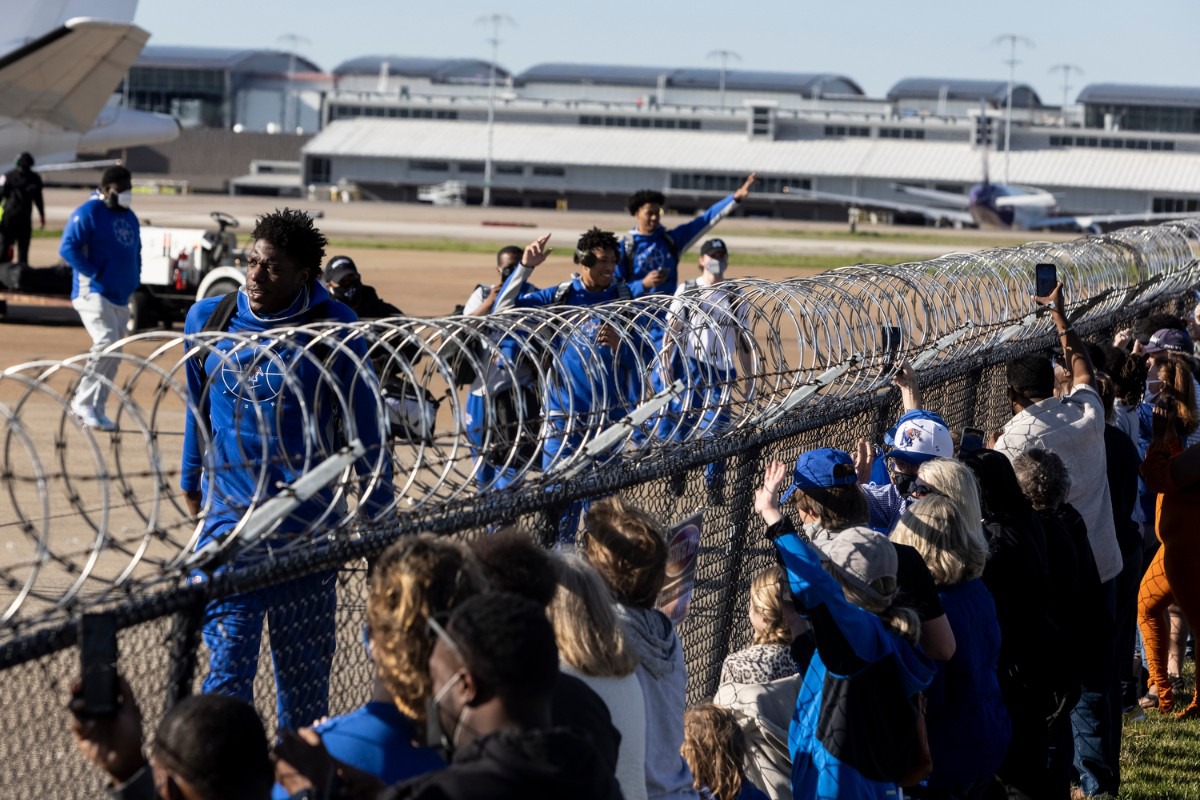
[1072, 426]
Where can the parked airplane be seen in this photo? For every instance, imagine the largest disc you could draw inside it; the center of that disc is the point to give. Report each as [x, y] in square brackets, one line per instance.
[56, 87]
[989, 205]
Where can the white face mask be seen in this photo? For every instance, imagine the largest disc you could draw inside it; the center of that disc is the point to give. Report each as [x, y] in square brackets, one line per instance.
[715, 266]
[125, 199]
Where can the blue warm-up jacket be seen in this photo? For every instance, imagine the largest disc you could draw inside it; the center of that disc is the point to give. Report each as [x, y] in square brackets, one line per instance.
[249, 397]
[858, 685]
[103, 247]
[653, 251]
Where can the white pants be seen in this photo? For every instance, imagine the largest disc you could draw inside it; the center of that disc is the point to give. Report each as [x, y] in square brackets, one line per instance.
[105, 323]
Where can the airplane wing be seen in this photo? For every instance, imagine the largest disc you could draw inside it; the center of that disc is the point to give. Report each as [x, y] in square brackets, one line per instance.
[65, 77]
[952, 199]
[929, 212]
[1086, 221]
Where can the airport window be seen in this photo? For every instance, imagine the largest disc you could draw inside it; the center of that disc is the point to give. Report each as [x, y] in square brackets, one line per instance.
[638, 122]
[510, 169]
[847, 130]
[318, 170]
[1110, 143]
[1176, 205]
[693, 181]
[430, 166]
[550, 172]
[471, 167]
[901, 133]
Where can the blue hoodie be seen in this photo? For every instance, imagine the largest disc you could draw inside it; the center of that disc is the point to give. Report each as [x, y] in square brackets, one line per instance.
[104, 250]
[652, 251]
[243, 466]
[856, 658]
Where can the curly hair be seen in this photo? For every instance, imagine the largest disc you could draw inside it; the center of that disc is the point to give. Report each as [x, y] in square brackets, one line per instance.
[642, 197]
[415, 578]
[1044, 478]
[936, 528]
[597, 239]
[293, 232]
[715, 749]
[590, 638]
[767, 597]
[628, 548]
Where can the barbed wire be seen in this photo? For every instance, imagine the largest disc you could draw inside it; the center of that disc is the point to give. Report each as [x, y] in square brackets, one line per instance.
[325, 430]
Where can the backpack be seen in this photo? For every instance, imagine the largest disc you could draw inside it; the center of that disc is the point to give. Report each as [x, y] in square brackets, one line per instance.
[412, 411]
[628, 249]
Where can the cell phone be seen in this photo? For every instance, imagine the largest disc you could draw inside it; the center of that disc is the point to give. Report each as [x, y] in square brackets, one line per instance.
[889, 343]
[970, 440]
[1045, 279]
[98, 662]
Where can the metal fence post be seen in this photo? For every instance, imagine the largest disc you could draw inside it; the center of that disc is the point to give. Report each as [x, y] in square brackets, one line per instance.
[184, 649]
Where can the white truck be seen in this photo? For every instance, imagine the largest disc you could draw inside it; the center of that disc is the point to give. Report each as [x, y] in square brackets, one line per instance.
[179, 267]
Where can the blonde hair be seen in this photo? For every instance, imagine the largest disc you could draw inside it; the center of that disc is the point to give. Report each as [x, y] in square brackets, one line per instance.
[715, 749]
[956, 481]
[415, 578]
[628, 548]
[590, 637]
[767, 597]
[934, 526]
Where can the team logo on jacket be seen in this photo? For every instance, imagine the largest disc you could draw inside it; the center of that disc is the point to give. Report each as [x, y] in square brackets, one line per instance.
[253, 375]
[124, 232]
[653, 258]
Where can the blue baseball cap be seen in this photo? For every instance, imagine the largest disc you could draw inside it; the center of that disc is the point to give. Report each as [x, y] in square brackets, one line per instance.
[821, 469]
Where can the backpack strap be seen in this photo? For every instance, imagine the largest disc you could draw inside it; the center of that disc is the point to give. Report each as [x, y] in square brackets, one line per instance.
[219, 319]
[560, 293]
[672, 247]
[690, 286]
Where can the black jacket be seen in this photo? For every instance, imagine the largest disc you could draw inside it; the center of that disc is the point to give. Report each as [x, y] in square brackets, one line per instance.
[22, 191]
[554, 763]
[366, 302]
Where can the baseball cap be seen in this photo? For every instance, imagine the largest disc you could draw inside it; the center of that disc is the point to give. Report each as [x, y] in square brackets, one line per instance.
[1168, 339]
[714, 246]
[821, 469]
[338, 268]
[918, 440]
[865, 559]
[889, 438]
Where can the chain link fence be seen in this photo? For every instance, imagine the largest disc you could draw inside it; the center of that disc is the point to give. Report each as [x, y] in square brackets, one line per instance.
[328, 464]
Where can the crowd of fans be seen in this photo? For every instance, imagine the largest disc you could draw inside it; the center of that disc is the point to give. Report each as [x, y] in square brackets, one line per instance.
[944, 620]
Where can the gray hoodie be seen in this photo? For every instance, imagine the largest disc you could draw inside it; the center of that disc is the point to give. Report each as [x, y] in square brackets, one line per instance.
[663, 677]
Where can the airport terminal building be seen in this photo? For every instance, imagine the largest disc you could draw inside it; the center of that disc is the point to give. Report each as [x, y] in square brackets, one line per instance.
[585, 135]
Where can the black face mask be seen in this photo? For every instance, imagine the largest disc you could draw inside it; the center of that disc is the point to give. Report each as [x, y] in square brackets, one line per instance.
[903, 482]
[346, 292]
[505, 274]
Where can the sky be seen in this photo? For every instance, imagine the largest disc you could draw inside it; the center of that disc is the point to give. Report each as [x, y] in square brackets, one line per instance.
[875, 42]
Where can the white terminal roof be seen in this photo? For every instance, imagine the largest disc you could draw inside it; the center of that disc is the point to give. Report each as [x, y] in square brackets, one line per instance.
[702, 151]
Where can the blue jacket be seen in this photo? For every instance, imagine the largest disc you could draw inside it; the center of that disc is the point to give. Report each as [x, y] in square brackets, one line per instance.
[378, 739]
[575, 393]
[103, 247]
[859, 682]
[967, 721]
[653, 251]
[249, 395]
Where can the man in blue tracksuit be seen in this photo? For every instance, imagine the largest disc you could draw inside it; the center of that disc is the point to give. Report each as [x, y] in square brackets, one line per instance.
[102, 244]
[257, 410]
[586, 397]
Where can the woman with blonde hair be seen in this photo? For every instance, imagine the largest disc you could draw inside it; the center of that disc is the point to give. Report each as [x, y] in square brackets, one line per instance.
[769, 656]
[715, 749]
[628, 548]
[593, 648]
[968, 725]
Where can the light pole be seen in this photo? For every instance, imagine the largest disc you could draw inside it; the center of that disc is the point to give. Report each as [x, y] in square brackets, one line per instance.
[292, 41]
[1012, 39]
[495, 20]
[724, 55]
[1066, 70]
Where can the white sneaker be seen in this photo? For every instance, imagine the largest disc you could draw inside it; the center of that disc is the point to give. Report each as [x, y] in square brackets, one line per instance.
[91, 418]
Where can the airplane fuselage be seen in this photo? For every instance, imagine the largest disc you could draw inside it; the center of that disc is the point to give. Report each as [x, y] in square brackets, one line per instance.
[999, 205]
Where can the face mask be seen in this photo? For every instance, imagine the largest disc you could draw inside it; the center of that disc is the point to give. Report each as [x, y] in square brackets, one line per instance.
[716, 267]
[125, 199]
[435, 734]
[506, 273]
[903, 483]
[346, 293]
